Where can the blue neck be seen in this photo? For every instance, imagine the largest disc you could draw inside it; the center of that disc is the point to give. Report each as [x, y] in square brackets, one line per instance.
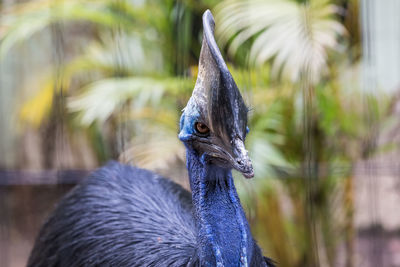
[223, 232]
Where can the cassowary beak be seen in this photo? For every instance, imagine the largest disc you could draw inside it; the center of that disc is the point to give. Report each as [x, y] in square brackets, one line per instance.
[242, 161]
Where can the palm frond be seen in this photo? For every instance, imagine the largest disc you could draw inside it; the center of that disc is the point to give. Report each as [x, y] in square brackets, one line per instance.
[20, 22]
[297, 36]
[100, 58]
[101, 98]
[156, 148]
[266, 157]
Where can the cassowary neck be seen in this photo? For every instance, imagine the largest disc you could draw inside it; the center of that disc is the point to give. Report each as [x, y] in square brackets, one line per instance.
[223, 232]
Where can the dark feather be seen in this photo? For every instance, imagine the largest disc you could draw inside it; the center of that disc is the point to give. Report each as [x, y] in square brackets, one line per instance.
[120, 216]
[270, 262]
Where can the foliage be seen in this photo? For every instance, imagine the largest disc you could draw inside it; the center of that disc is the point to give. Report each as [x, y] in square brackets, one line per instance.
[101, 99]
[297, 35]
[22, 21]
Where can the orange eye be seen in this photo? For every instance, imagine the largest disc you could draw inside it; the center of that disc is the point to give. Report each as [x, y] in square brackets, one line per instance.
[201, 128]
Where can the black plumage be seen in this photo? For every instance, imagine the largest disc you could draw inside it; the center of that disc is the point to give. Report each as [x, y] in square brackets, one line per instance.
[116, 217]
[110, 219]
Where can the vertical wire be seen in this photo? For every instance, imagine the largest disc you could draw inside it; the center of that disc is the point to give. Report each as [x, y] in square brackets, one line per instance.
[397, 163]
[58, 98]
[116, 35]
[309, 165]
[369, 84]
[123, 116]
[309, 173]
[4, 218]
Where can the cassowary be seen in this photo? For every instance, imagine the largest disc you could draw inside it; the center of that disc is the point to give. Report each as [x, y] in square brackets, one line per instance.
[126, 216]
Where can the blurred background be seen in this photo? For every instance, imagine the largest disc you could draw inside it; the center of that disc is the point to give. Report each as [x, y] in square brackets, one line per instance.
[86, 81]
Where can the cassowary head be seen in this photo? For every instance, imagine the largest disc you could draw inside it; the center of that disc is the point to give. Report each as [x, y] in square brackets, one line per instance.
[214, 122]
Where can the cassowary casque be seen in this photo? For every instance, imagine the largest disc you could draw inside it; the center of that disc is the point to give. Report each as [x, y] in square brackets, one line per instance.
[126, 216]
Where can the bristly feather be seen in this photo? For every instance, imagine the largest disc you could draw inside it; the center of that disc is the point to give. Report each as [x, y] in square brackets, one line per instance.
[270, 262]
[119, 216]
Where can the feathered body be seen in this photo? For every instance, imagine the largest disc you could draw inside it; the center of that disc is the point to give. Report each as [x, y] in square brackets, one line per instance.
[125, 216]
[115, 218]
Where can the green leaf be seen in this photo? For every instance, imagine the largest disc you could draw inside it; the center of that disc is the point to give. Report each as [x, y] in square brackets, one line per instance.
[100, 99]
[297, 36]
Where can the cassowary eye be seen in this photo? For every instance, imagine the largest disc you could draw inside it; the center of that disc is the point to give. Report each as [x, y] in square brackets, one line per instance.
[201, 128]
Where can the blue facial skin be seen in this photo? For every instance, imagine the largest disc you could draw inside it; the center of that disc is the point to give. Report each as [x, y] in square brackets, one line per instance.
[223, 232]
[188, 119]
